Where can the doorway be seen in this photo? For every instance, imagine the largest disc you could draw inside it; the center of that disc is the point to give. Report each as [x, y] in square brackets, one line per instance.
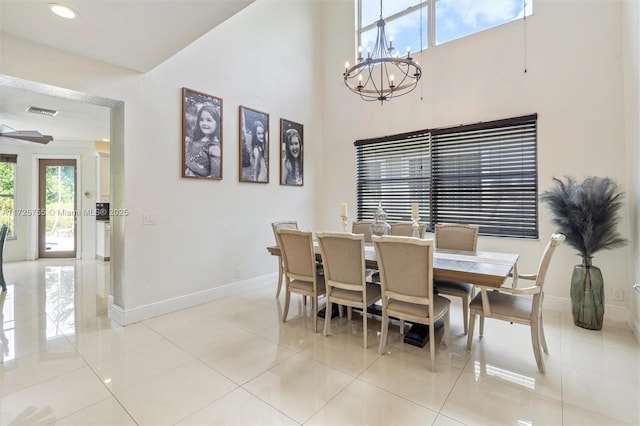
[117, 124]
[57, 208]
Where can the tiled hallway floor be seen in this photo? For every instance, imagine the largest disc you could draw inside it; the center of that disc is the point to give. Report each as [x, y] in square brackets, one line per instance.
[232, 361]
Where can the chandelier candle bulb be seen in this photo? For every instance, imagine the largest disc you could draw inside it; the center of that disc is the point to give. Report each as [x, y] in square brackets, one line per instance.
[415, 209]
[343, 209]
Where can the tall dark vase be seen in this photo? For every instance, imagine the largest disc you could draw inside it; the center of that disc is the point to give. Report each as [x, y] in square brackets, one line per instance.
[587, 295]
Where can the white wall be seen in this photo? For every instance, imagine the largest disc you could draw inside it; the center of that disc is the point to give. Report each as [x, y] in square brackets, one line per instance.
[573, 81]
[631, 52]
[263, 58]
[286, 57]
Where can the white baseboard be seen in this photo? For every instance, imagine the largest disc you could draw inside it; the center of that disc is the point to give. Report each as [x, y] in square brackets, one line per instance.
[116, 313]
[130, 316]
[616, 315]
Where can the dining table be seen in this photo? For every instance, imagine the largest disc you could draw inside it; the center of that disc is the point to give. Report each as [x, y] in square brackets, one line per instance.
[481, 268]
[486, 269]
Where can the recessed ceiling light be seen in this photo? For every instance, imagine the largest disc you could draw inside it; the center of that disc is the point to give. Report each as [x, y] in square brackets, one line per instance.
[63, 11]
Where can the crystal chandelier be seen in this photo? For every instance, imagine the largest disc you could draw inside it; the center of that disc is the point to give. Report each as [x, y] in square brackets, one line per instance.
[382, 75]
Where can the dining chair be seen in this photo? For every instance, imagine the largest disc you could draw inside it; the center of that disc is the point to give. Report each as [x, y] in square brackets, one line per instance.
[453, 236]
[284, 224]
[362, 227]
[301, 274]
[3, 236]
[522, 305]
[345, 275]
[405, 229]
[406, 278]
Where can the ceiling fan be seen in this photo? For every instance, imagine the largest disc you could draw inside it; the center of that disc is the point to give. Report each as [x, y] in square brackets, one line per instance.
[24, 135]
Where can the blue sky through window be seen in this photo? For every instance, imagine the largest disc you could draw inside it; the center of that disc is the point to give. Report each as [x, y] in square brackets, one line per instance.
[458, 18]
[453, 19]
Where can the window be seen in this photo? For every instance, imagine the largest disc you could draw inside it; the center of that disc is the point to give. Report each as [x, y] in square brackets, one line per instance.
[396, 172]
[7, 190]
[484, 174]
[442, 20]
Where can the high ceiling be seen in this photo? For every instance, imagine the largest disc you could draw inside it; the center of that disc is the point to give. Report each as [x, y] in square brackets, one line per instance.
[134, 34]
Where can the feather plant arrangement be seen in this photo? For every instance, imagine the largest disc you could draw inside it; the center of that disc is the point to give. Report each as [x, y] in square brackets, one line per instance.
[587, 214]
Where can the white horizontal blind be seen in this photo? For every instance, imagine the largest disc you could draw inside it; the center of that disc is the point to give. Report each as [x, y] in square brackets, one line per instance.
[484, 174]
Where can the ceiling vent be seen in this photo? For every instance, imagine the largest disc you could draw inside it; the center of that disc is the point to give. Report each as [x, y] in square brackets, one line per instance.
[42, 111]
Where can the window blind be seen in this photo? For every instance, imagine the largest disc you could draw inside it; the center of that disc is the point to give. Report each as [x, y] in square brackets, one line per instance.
[484, 174]
[394, 172]
[8, 158]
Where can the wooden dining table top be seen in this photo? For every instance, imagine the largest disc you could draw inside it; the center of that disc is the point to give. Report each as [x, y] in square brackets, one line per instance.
[483, 268]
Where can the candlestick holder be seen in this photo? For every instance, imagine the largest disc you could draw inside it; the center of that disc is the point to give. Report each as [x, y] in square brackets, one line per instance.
[344, 218]
[416, 226]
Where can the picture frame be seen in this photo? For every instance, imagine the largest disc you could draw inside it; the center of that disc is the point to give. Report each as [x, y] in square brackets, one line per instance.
[201, 142]
[253, 145]
[292, 153]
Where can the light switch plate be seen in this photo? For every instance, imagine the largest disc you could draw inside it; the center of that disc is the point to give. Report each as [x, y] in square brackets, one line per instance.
[148, 219]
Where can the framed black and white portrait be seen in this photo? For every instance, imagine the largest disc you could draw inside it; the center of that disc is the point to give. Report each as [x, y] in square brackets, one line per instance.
[292, 157]
[254, 146]
[201, 135]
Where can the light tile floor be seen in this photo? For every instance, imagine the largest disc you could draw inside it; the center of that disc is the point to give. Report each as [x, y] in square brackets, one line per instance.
[232, 361]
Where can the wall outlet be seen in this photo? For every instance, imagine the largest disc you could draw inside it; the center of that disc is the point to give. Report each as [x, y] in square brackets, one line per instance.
[618, 294]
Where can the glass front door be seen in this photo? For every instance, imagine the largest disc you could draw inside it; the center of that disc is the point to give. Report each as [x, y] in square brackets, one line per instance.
[57, 211]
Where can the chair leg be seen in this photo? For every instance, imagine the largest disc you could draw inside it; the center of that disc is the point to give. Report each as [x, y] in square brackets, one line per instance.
[472, 324]
[280, 272]
[432, 346]
[314, 313]
[285, 311]
[364, 325]
[543, 340]
[481, 325]
[349, 313]
[465, 312]
[535, 341]
[383, 332]
[402, 327]
[447, 324]
[327, 319]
